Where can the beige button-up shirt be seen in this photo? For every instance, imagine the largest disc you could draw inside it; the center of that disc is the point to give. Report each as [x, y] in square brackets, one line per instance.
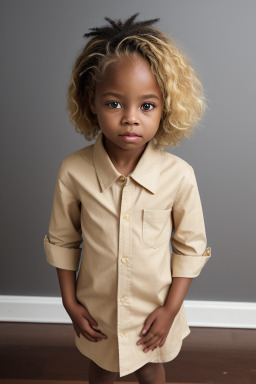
[126, 225]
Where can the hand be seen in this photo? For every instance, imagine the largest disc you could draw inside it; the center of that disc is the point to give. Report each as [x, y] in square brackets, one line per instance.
[84, 323]
[156, 329]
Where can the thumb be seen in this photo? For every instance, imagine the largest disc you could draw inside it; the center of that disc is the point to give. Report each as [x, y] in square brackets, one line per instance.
[149, 321]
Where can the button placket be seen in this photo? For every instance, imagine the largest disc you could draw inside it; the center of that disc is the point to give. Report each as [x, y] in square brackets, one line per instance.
[125, 238]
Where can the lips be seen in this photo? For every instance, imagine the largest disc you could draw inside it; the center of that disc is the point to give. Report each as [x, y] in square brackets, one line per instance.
[130, 134]
[130, 137]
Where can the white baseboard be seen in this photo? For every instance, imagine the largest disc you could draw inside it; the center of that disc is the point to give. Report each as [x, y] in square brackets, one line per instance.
[220, 314]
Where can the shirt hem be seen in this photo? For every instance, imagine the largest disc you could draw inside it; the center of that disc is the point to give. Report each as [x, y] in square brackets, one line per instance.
[158, 359]
[93, 357]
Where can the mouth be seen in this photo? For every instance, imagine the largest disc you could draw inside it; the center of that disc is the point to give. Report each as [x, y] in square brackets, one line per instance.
[130, 137]
[131, 134]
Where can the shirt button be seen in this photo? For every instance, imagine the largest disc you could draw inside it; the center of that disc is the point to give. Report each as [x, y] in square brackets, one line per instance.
[123, 299]
[124, 259]
[125, 217]
[122, 178]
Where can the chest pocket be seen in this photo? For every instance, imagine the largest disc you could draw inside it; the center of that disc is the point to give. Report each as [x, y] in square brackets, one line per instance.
[156, 227]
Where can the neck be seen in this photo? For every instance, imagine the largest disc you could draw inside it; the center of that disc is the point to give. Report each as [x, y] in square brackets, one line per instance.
[123, 160]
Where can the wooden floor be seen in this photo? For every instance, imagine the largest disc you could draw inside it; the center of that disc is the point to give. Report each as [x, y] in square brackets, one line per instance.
[7, 381]
[46, 354]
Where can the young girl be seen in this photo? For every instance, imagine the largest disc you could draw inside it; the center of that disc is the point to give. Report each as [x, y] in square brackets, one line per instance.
[125, 198]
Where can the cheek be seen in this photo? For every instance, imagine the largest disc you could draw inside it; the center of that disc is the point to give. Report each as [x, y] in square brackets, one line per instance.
[106, 120]
[155, 120]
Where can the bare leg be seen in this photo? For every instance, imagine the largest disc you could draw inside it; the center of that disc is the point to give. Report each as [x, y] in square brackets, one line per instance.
[151, 373]
[98, 375]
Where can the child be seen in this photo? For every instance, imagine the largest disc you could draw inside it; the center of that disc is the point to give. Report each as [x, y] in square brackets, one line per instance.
[123, 196]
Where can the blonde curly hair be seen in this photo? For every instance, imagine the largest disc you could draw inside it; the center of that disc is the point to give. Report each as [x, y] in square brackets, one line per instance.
[182, 92]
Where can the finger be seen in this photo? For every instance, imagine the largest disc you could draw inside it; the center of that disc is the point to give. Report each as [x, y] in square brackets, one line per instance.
[90, 319]
[88, 337]
[95, 327]
[99, 331]
[93, 333]
[77, 331]
[153, 346]
[148, 345]
[86, 334]
[162, 341]
[92, 324]
[98, 335]
[145, 339]
[148, 323]
[151, 342]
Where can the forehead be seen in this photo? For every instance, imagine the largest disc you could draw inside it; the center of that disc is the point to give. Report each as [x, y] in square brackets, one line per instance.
[127, 72]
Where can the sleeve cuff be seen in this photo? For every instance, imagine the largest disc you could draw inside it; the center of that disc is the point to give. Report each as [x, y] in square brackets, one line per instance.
[61, 257]
[189, 266]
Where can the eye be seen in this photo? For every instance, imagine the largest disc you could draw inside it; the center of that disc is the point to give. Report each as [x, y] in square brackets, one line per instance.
[113, 104]
[148, 106]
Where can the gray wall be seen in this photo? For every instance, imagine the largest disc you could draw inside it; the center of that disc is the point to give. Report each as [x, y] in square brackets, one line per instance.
[40, 40]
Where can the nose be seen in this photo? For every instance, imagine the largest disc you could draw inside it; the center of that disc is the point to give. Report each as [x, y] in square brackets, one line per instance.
[130, 116]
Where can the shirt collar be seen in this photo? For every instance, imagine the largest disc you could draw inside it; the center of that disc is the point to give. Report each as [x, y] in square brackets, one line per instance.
[146, 172]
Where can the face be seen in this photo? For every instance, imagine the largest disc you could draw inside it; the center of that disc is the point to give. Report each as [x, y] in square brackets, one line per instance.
[128, 104]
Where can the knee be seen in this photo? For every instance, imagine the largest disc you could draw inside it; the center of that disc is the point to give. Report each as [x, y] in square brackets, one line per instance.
[100, 375]
[151, 373]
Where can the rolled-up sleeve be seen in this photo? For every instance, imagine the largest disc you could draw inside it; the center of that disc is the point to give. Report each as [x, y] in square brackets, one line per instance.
[189, 239]
[62, 244]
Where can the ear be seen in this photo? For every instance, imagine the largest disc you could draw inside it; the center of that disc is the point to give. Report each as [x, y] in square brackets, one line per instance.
[91, 100]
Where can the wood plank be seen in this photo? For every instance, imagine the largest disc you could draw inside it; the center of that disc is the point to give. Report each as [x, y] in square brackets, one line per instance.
[8, 381]
[32, 353]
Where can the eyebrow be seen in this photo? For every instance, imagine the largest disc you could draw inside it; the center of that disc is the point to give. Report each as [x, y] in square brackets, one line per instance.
[148, 96]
